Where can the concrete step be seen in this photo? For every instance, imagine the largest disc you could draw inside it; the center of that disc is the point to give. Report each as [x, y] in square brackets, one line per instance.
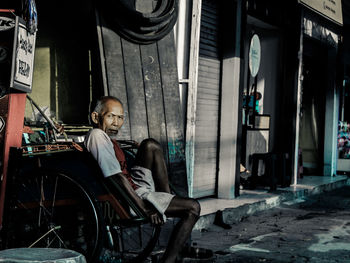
[252, 201]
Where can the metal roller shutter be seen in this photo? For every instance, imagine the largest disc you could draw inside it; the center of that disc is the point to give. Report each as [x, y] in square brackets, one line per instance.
[208, 98]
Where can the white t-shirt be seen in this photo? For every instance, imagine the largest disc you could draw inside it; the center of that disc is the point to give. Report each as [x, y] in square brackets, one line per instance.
[99, 144]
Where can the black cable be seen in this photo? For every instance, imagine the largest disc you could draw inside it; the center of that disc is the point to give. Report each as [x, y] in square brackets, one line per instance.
[138, 27]
[29, 14]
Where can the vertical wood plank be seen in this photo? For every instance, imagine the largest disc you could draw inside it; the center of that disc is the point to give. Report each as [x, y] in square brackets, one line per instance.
[135, 91]
[101, 50]
[174, 121]
[114, 63]
[153, 94]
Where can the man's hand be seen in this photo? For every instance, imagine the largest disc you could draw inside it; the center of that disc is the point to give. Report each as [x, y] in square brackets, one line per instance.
[137, 144]
[147, 208]
[156, 219]
[153, 215]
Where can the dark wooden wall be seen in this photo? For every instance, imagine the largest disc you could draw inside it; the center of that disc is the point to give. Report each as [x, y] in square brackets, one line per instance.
[145, 79]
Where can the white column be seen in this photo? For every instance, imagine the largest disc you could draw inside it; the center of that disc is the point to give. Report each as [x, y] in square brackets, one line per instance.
[331, 119]
[230, 110]
[192, 92]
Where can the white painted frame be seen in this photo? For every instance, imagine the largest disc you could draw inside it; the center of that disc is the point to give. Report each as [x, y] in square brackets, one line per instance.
[192, 92]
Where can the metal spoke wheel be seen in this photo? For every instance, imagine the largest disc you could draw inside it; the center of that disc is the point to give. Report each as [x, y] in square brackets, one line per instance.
[137, 242]
[52, 209]
[134, 238]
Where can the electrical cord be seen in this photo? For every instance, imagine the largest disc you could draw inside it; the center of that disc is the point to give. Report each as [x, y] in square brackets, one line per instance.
[138, 27]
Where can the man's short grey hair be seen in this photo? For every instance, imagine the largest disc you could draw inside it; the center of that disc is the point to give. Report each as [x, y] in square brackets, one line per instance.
[100, 103]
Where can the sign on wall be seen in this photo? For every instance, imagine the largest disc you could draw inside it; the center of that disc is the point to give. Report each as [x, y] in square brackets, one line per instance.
[330, 9]
[7, 29]
[254, 55]
[23, 57]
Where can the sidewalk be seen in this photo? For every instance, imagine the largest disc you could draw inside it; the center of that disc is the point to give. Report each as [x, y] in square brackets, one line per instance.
[249, 203]
[252, 201]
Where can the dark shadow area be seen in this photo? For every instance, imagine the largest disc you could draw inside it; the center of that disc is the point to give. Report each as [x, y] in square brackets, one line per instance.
[336, 200]
[312, 127]
[67, 29]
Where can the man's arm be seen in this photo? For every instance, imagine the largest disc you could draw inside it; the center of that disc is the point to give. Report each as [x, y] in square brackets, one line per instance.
[101, 147]
[146, 208]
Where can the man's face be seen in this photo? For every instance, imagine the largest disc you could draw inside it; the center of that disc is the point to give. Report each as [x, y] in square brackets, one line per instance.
[111, 118]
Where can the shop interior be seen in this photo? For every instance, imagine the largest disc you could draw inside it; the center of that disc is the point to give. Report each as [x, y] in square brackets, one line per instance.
[343, 165]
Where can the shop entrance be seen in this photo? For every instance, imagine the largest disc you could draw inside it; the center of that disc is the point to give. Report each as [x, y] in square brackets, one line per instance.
[313, 106]
[343, 163]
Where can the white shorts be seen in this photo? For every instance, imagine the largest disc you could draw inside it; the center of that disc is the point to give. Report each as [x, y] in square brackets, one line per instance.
[142, 177]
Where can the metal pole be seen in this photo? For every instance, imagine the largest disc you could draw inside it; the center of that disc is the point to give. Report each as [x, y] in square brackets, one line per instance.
[49, 121]
[254, 99]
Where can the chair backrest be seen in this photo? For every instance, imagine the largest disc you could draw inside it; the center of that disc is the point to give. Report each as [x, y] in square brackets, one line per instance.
[82, 166]
[108, 190]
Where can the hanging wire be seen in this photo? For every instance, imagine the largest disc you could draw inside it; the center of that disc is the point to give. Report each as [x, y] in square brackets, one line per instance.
[30, 15]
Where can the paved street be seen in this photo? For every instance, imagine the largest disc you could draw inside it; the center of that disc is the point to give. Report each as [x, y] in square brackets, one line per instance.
[316, 229]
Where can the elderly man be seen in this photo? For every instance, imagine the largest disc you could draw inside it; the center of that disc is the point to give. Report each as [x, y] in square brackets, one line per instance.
[148, 179]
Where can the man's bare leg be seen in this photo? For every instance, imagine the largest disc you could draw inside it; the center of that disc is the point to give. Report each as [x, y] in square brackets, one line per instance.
[150, 156]
[188, 210]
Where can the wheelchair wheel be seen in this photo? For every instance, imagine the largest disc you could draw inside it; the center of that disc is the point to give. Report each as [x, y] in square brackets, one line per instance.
[138, 241]
[135, 237]
[52, 209]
